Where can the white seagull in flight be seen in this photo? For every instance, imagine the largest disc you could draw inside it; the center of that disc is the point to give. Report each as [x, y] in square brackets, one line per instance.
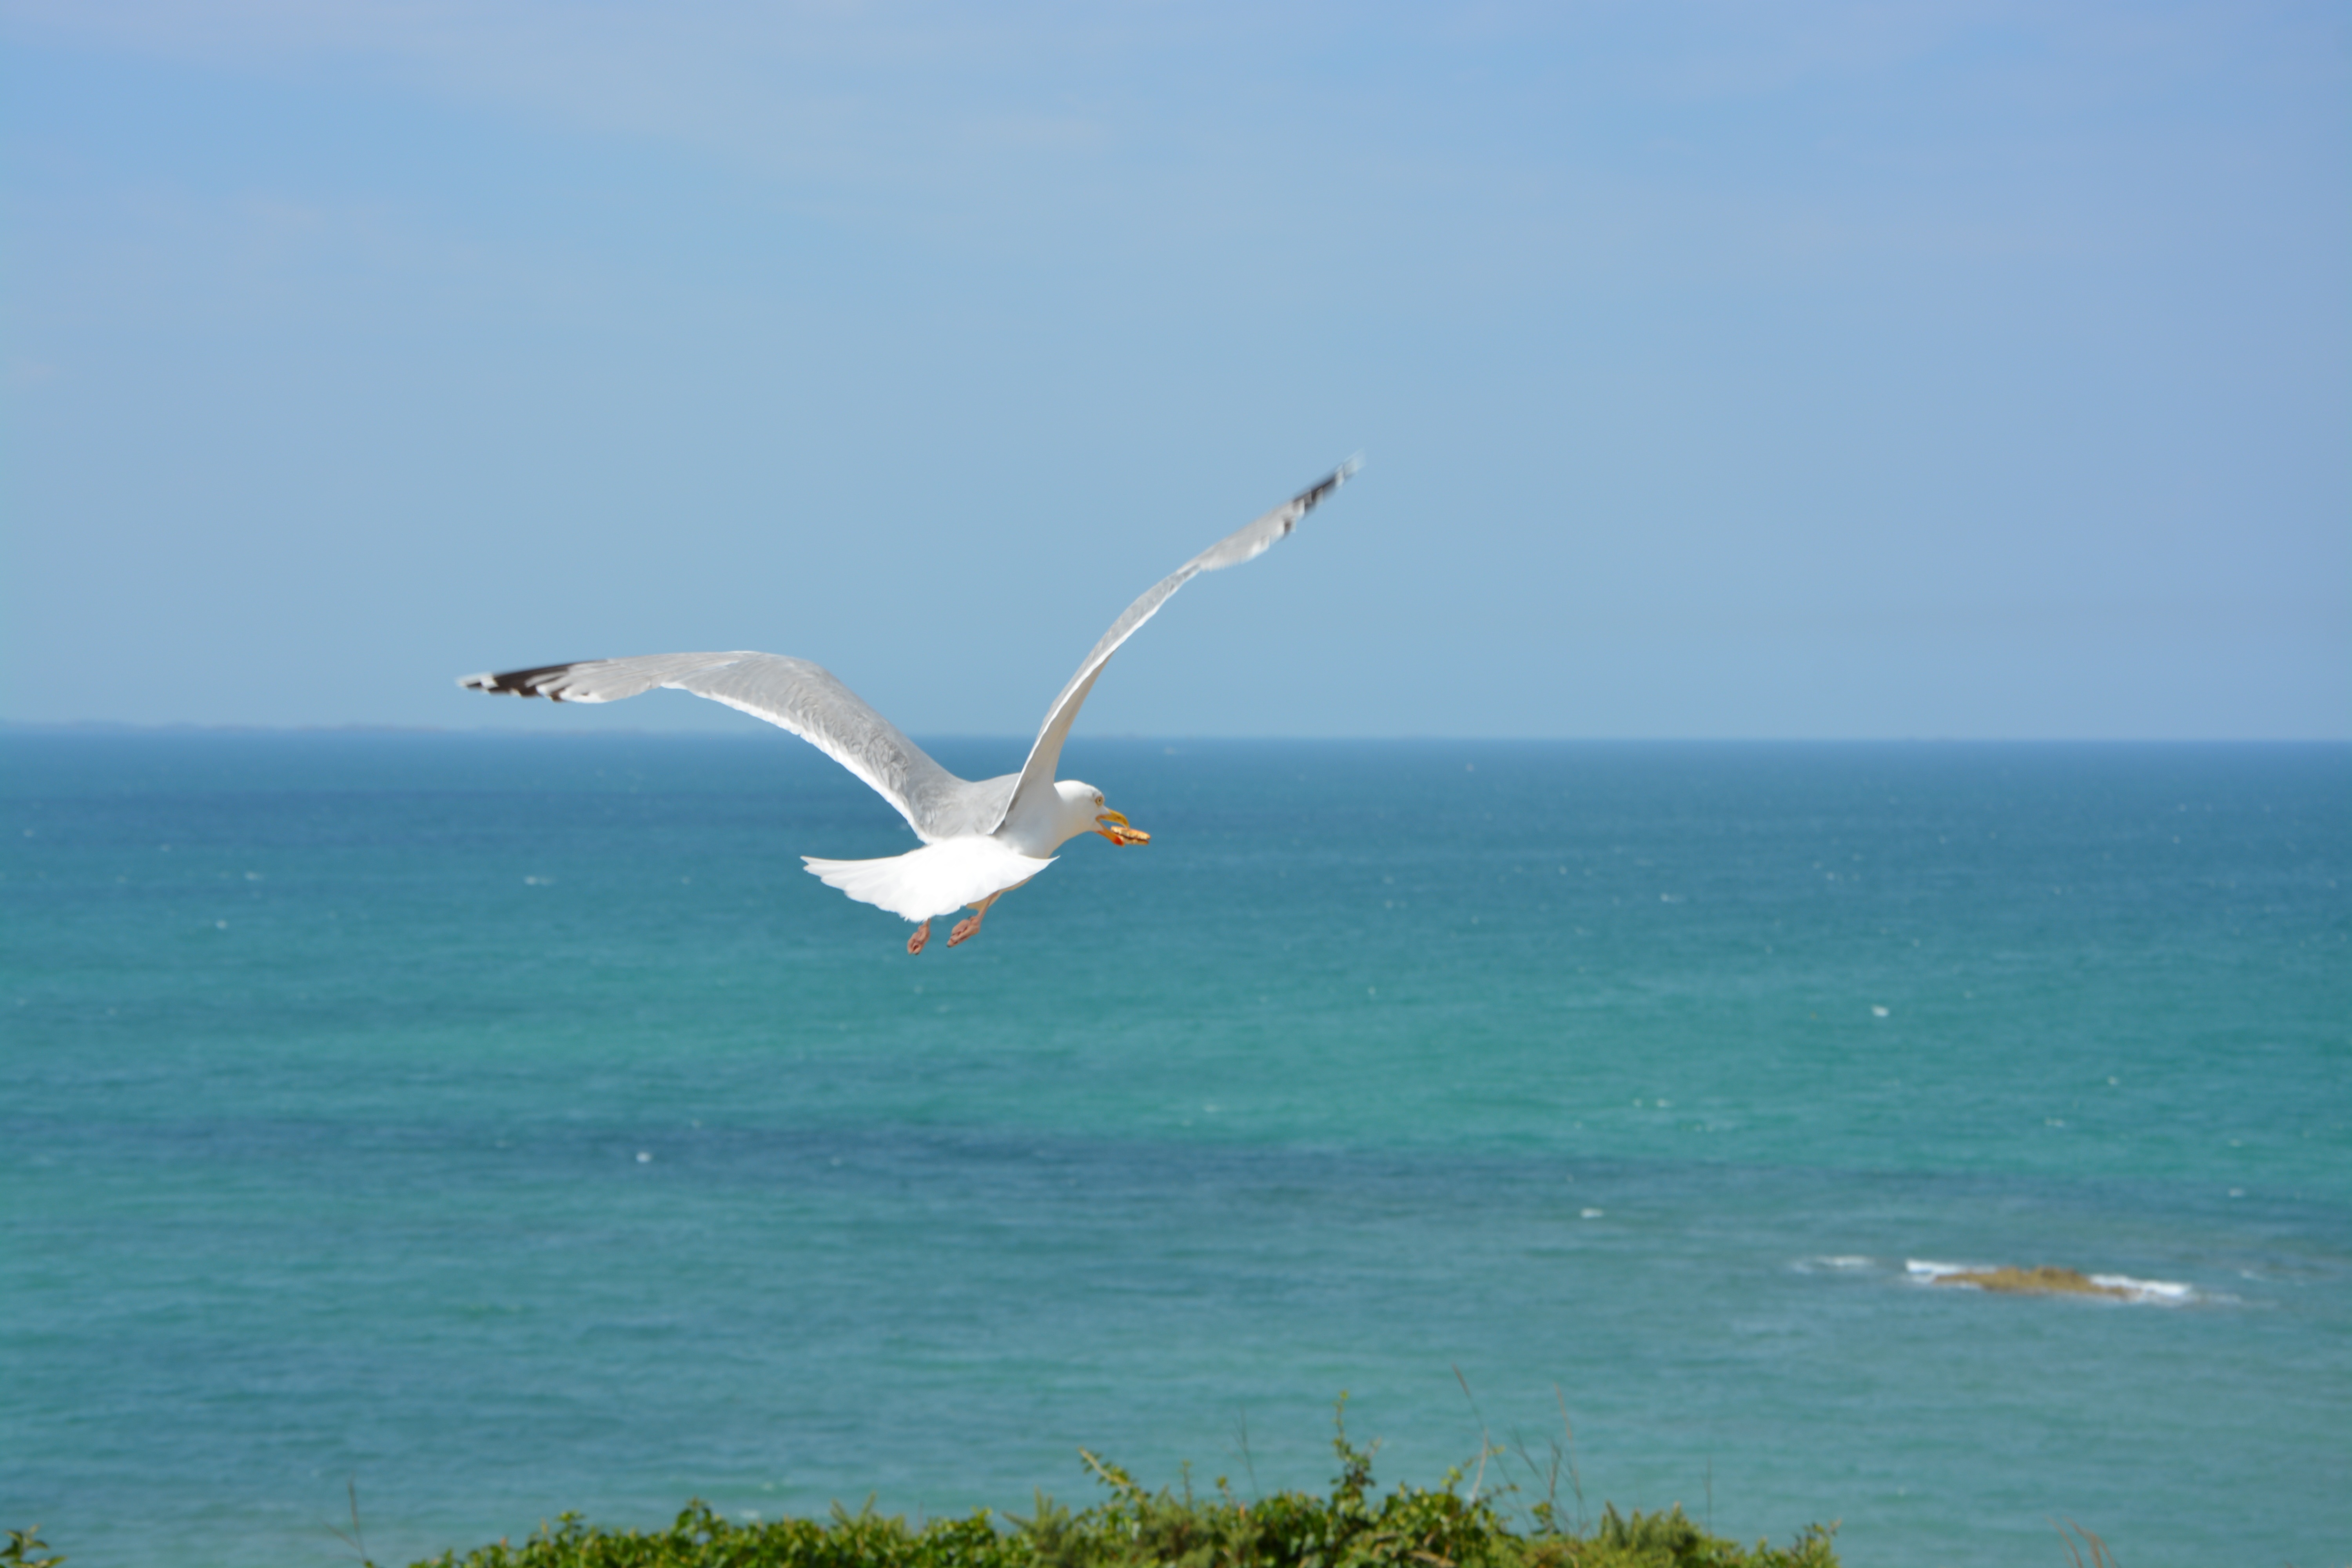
[980, 840]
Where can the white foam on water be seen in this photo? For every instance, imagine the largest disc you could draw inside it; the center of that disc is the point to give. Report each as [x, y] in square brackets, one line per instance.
[2167, 1292]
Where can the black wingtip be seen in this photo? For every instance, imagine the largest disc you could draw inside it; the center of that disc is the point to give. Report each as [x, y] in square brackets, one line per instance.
[533, 682]
[1307, 499]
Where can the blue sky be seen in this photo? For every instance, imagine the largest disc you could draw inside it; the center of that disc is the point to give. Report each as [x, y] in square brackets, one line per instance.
[1723, 371]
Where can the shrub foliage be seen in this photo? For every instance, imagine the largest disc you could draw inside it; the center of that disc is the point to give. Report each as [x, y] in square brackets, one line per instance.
[1135, 1528]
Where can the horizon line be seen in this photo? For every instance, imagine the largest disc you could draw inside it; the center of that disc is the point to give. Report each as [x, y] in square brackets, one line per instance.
[191, 727]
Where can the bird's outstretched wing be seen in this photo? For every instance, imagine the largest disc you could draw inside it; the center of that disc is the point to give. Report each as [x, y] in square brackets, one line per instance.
[1245, 543]
[791, 693]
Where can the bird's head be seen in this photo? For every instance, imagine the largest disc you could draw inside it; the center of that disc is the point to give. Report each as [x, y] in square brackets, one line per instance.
[1087, 802]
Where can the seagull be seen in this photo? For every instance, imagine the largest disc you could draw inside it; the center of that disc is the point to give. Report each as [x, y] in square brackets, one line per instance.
[980, 840]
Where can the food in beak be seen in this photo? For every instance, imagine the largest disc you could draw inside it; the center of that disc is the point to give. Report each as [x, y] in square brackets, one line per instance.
[1112, 825]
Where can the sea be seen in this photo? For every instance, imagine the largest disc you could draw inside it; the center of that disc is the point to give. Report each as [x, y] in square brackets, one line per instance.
[414, 1137]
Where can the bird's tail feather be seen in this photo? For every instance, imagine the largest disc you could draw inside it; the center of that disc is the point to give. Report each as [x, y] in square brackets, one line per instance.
[933, 880]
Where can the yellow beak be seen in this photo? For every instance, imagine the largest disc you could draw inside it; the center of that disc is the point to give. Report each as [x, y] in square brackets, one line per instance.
[1112, 825]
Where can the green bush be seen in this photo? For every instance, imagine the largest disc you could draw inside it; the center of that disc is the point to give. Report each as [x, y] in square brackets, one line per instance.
[23, 1549]
[1409, 1528]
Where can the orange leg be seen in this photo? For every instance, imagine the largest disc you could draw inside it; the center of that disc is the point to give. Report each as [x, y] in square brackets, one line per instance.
[966, 928]
[915, 943]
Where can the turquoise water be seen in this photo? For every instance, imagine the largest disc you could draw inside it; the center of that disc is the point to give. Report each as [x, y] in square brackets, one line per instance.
[507, 1125]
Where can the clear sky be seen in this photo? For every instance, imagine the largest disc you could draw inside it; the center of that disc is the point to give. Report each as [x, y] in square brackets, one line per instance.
[1940, 370]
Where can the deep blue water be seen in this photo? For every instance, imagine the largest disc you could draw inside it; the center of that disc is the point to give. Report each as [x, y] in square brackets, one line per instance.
[507, 1124]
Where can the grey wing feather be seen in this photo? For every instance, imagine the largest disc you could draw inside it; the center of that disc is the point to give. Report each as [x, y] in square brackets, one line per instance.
[1245, 543]
[795, 695]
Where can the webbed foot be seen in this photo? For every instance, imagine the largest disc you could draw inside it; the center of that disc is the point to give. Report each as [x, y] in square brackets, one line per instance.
[970, 927]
